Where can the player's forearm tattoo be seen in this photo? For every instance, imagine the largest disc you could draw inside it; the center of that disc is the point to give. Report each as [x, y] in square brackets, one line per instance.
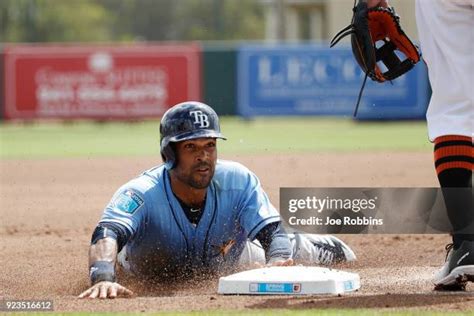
[102, 257]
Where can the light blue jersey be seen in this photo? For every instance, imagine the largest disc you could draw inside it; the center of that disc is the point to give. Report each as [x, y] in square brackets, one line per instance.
[162, 238]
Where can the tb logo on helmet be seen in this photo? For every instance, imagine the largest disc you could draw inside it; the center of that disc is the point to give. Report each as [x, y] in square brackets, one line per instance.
[200, 118]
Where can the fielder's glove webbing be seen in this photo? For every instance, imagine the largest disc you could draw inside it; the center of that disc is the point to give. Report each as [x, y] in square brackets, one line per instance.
[368, 26]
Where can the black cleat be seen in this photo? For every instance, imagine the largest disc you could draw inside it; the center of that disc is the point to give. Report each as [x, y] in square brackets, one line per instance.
[458, 268]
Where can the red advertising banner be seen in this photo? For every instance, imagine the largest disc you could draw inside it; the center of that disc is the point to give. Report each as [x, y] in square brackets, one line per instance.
[103, 82]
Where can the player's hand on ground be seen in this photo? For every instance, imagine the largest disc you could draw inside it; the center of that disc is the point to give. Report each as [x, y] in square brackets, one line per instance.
[106, 289]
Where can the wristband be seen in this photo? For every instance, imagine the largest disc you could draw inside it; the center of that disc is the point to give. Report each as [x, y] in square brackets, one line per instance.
[102, 271]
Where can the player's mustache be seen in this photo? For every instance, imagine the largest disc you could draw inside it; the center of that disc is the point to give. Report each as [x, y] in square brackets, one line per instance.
[202, 165]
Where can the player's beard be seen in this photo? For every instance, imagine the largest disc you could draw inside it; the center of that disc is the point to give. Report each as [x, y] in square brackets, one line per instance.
[196, 180]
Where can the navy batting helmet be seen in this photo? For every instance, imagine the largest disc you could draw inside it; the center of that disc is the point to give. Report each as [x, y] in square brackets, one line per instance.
[184, 121]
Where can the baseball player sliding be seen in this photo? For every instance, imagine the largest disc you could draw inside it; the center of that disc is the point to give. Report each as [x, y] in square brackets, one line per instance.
[194, 213]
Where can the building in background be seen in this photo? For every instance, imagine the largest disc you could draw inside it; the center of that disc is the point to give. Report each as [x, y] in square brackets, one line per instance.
[295, 20]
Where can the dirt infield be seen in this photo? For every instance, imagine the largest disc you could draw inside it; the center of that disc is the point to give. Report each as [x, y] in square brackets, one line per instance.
[50, 207]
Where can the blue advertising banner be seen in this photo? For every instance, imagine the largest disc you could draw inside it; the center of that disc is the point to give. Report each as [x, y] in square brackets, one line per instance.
[311, 79]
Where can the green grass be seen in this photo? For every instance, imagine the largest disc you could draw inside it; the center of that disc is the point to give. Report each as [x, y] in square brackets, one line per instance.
[265, 135]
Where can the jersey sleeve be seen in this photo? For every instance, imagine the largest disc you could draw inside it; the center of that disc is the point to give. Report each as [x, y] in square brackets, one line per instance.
[256, 210]
[126, 208]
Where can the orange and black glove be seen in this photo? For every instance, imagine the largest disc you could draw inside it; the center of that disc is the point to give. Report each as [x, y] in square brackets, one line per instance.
[376, 36]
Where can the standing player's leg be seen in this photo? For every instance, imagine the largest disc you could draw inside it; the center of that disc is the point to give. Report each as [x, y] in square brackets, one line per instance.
[445, 30]
[453, 161]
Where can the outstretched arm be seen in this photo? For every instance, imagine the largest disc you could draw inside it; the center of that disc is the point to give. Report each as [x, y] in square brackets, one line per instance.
[277, 245]
[102, 258]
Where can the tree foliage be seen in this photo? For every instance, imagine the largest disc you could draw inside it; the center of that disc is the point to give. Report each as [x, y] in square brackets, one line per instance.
[129, 20]
[54, 20]
[221, 20]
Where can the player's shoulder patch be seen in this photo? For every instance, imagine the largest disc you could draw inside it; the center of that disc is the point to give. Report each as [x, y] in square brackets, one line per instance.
[128, 202]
